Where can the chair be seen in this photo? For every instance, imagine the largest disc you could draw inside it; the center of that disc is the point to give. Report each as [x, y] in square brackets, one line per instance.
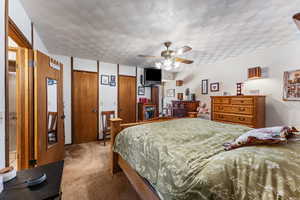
[105, 117]
[52, 127]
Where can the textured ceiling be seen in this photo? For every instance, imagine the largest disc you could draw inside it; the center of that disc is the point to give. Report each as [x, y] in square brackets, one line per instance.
[117, 31]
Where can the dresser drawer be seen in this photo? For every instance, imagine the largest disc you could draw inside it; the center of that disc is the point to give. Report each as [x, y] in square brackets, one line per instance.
[221, 100]
[247, 110]
[241, 119]
[242, 101]
[222, 117]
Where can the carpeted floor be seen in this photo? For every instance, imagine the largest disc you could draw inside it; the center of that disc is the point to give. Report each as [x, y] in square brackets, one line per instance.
[87, 177]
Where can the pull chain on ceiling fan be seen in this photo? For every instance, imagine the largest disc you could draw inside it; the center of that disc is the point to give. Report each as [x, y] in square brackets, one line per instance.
[170, 61]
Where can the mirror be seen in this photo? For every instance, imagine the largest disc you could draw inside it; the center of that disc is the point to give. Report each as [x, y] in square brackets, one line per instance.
[52, 111]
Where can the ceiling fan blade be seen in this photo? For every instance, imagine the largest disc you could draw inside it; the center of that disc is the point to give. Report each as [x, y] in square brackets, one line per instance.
[182, 60]
[147, 56]
[183, 50]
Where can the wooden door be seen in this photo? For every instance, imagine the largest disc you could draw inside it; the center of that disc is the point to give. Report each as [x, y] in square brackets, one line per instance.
[85, 106]
[155, 98]
[48, 110]
[24, 117]
[127, 98]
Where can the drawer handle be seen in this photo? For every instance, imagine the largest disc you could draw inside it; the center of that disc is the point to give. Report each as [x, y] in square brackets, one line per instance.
[242, 118]
[221, 116]
[242, 109]
[242, 101]
[221, 108]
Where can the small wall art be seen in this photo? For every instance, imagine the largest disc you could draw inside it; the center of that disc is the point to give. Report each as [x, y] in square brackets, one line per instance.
[112, 80]
[291, 87]
[104, 80]
[141, 90]
[215, 87]
[171, 93]
[204, 86]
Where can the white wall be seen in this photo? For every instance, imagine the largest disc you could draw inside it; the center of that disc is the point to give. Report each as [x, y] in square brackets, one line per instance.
[127, 70]
[228, 73]
[108, 95]
[18, 14]
[169, 85]
[66, 61]
[38, 43]
[85, 65]
[2, 84]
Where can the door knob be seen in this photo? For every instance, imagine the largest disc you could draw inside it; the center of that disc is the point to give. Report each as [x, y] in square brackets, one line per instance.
[63, 117]
[94, 110]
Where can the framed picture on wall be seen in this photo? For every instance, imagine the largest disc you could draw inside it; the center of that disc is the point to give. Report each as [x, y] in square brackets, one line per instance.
[113, 84]
[112, 80]
[104, 80]
[171, 93]
[214, 87]
[141, 90]
[291, 87]
[204, 86]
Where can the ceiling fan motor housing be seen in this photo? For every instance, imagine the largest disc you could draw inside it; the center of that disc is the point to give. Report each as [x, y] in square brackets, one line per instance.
[167, 54]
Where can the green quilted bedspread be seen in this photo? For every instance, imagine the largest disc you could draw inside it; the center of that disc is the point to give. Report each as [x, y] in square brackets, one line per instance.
[184, 160]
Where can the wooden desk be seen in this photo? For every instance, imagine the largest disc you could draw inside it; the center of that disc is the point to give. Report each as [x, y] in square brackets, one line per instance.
[192, 114]
[50, 189]
[181, 108]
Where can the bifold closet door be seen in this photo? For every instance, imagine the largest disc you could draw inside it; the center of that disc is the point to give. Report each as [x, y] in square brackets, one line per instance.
[85, 106]
[127, 98]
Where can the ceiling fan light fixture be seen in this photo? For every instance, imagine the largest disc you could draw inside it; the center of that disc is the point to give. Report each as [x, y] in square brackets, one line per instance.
[158, 65]
[168, 62]
[168, 68]
[176, 65]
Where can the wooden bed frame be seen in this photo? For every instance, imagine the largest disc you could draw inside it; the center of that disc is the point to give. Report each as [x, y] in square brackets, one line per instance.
[143, 188]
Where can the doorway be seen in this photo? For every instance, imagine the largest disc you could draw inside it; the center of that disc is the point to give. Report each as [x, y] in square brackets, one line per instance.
[127, 98]
[84, 106]
[155, 98]
[12, 106]
[18, 128]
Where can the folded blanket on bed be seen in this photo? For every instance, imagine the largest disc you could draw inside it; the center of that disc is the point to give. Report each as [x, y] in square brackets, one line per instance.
[271, 135]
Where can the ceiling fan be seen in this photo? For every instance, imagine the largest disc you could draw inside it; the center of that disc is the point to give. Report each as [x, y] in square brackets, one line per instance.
[170, 59]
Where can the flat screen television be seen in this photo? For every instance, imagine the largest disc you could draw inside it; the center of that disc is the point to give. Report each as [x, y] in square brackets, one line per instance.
[152, 76]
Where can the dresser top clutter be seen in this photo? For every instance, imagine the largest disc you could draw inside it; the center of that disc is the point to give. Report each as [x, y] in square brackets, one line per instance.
[246, 110]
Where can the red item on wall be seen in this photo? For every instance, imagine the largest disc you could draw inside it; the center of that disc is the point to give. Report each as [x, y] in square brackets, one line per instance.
[143, 100]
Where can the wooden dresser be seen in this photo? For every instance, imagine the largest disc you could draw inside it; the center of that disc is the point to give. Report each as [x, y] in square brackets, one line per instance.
[245, 110]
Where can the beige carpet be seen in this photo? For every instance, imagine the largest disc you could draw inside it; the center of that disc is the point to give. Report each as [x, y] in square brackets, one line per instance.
[87, 177]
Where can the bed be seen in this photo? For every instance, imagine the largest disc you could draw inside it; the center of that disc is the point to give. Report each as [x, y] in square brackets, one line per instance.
[184, 159]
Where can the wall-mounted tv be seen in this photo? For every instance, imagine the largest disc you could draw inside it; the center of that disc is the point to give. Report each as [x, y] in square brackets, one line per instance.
[152, 76]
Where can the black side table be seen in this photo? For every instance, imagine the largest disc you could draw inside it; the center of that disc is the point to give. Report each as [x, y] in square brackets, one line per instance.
[50, 189]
